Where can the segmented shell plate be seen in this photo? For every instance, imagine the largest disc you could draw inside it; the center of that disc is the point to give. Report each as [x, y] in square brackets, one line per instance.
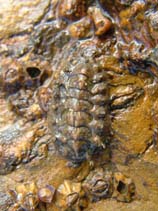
[78, 113]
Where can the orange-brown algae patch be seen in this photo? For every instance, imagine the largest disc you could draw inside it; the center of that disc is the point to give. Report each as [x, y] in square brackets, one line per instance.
[134, 127]
[127, 14]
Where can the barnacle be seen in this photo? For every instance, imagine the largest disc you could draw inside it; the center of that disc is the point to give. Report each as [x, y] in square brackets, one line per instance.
[46, 194]
[99, 184]
[25, 195]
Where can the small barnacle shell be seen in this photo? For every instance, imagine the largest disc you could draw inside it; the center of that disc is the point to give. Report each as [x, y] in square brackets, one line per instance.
[69, 187]
[46, 194]
[31, 202]
[98, 184]
[124, 188]
[102, 23]
[72, 199]
[12, 77]
[70, 194]
[25, 195]
[44, 95]
[13, 194]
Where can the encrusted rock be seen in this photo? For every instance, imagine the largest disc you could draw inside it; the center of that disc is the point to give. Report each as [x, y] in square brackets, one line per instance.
[81, 28]
[102, 23]
[153, 16]
[72, 9]
[87, 70]
[20, 15]
[12, 77]
[44, 96]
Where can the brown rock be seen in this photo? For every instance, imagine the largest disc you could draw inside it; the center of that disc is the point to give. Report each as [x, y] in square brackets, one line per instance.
[19, 16]
[81, 29]
[72, 9]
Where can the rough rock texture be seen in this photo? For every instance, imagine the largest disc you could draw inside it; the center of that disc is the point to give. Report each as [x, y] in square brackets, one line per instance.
[44, 46]
[19, 17]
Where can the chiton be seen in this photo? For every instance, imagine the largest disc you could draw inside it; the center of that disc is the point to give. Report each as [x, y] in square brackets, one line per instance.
[78, 112]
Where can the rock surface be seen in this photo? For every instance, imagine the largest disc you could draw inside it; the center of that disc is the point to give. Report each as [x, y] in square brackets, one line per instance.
[41, 39]
[17, 17]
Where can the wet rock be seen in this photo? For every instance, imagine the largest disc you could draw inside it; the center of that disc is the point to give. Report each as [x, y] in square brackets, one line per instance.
[153, 16]
[139, 108]
[125, 96]
[72, 9]
[21, 144]
[152, 56]
[125, 2]
[44, 96]
[12, 77]
[81, 29]
[24, 105]
[19, 16]
[48, 37]
[110, 62]
[21, 101]
[5, 200]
